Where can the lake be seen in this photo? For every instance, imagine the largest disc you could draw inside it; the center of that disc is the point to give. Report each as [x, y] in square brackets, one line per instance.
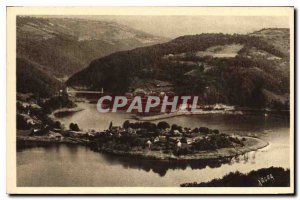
[71, 165]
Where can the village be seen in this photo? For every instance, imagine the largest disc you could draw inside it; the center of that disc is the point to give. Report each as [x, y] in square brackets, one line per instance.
[163, 139]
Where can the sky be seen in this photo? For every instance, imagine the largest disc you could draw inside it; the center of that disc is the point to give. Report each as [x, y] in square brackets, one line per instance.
[174, 26]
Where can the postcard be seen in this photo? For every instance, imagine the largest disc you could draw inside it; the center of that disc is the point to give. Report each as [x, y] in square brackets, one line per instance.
[150, 100]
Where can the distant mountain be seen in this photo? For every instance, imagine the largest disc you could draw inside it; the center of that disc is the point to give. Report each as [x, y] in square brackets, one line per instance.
[63, 46]
[236, 69]
[30, 79]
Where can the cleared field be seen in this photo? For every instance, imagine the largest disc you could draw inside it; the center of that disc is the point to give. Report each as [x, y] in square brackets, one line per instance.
[224, 51]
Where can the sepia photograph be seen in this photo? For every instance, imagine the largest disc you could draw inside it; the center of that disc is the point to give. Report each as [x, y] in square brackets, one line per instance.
[150, 100]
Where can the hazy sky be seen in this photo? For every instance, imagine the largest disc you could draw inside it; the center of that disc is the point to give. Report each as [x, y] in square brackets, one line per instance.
[174, 26]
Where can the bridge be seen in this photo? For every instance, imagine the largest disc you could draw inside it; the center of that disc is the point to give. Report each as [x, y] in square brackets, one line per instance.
[84, 91]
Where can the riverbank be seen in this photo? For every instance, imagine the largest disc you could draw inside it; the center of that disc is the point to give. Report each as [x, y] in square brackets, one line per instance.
[24, 137]
[176, 114]
[64, 112]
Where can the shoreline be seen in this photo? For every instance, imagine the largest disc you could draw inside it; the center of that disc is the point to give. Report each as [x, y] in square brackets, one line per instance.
[48, 140]
[252, 144]
[222, 112]
[222, 153]
[64, 111]
[176, 114]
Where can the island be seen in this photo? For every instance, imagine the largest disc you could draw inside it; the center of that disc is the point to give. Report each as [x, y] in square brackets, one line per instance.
[147, 140]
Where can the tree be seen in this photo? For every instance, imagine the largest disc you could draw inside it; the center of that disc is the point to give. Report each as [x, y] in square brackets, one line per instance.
[204, 130]
[110, 126]
[174, 127]
[71, 126]
[163, 125]
[201, 67]
[183, 140]
[74, 127]
[22, 123]
[195, 130]
[126, 124]
[57, 125]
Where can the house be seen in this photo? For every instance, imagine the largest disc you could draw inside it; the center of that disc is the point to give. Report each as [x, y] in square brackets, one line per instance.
[179, 144]
[223, 107]
[149, 143]
[162, 94]
[35, 106]
[55, 136]
[77, 134]
[129, 95]
[131, 130]
[190, 140]
[176, 132]
[115, 129]
[40, 131]
[139, 92]
[163, 139]
[58, 130]
[35, 131]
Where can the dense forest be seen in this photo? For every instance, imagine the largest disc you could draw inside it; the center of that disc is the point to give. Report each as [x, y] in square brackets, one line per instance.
[30, 79]
[266, 177]
[239, 80]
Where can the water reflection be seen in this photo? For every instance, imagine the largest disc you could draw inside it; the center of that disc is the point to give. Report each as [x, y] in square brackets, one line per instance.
[158, 167]
[161, 167]
[23, 145]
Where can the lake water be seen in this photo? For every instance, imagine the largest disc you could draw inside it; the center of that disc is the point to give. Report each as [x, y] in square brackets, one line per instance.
[71, 165]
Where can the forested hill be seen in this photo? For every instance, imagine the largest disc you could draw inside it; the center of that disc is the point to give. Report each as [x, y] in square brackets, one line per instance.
[30, 79]
[63, 46]
[237, 69]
